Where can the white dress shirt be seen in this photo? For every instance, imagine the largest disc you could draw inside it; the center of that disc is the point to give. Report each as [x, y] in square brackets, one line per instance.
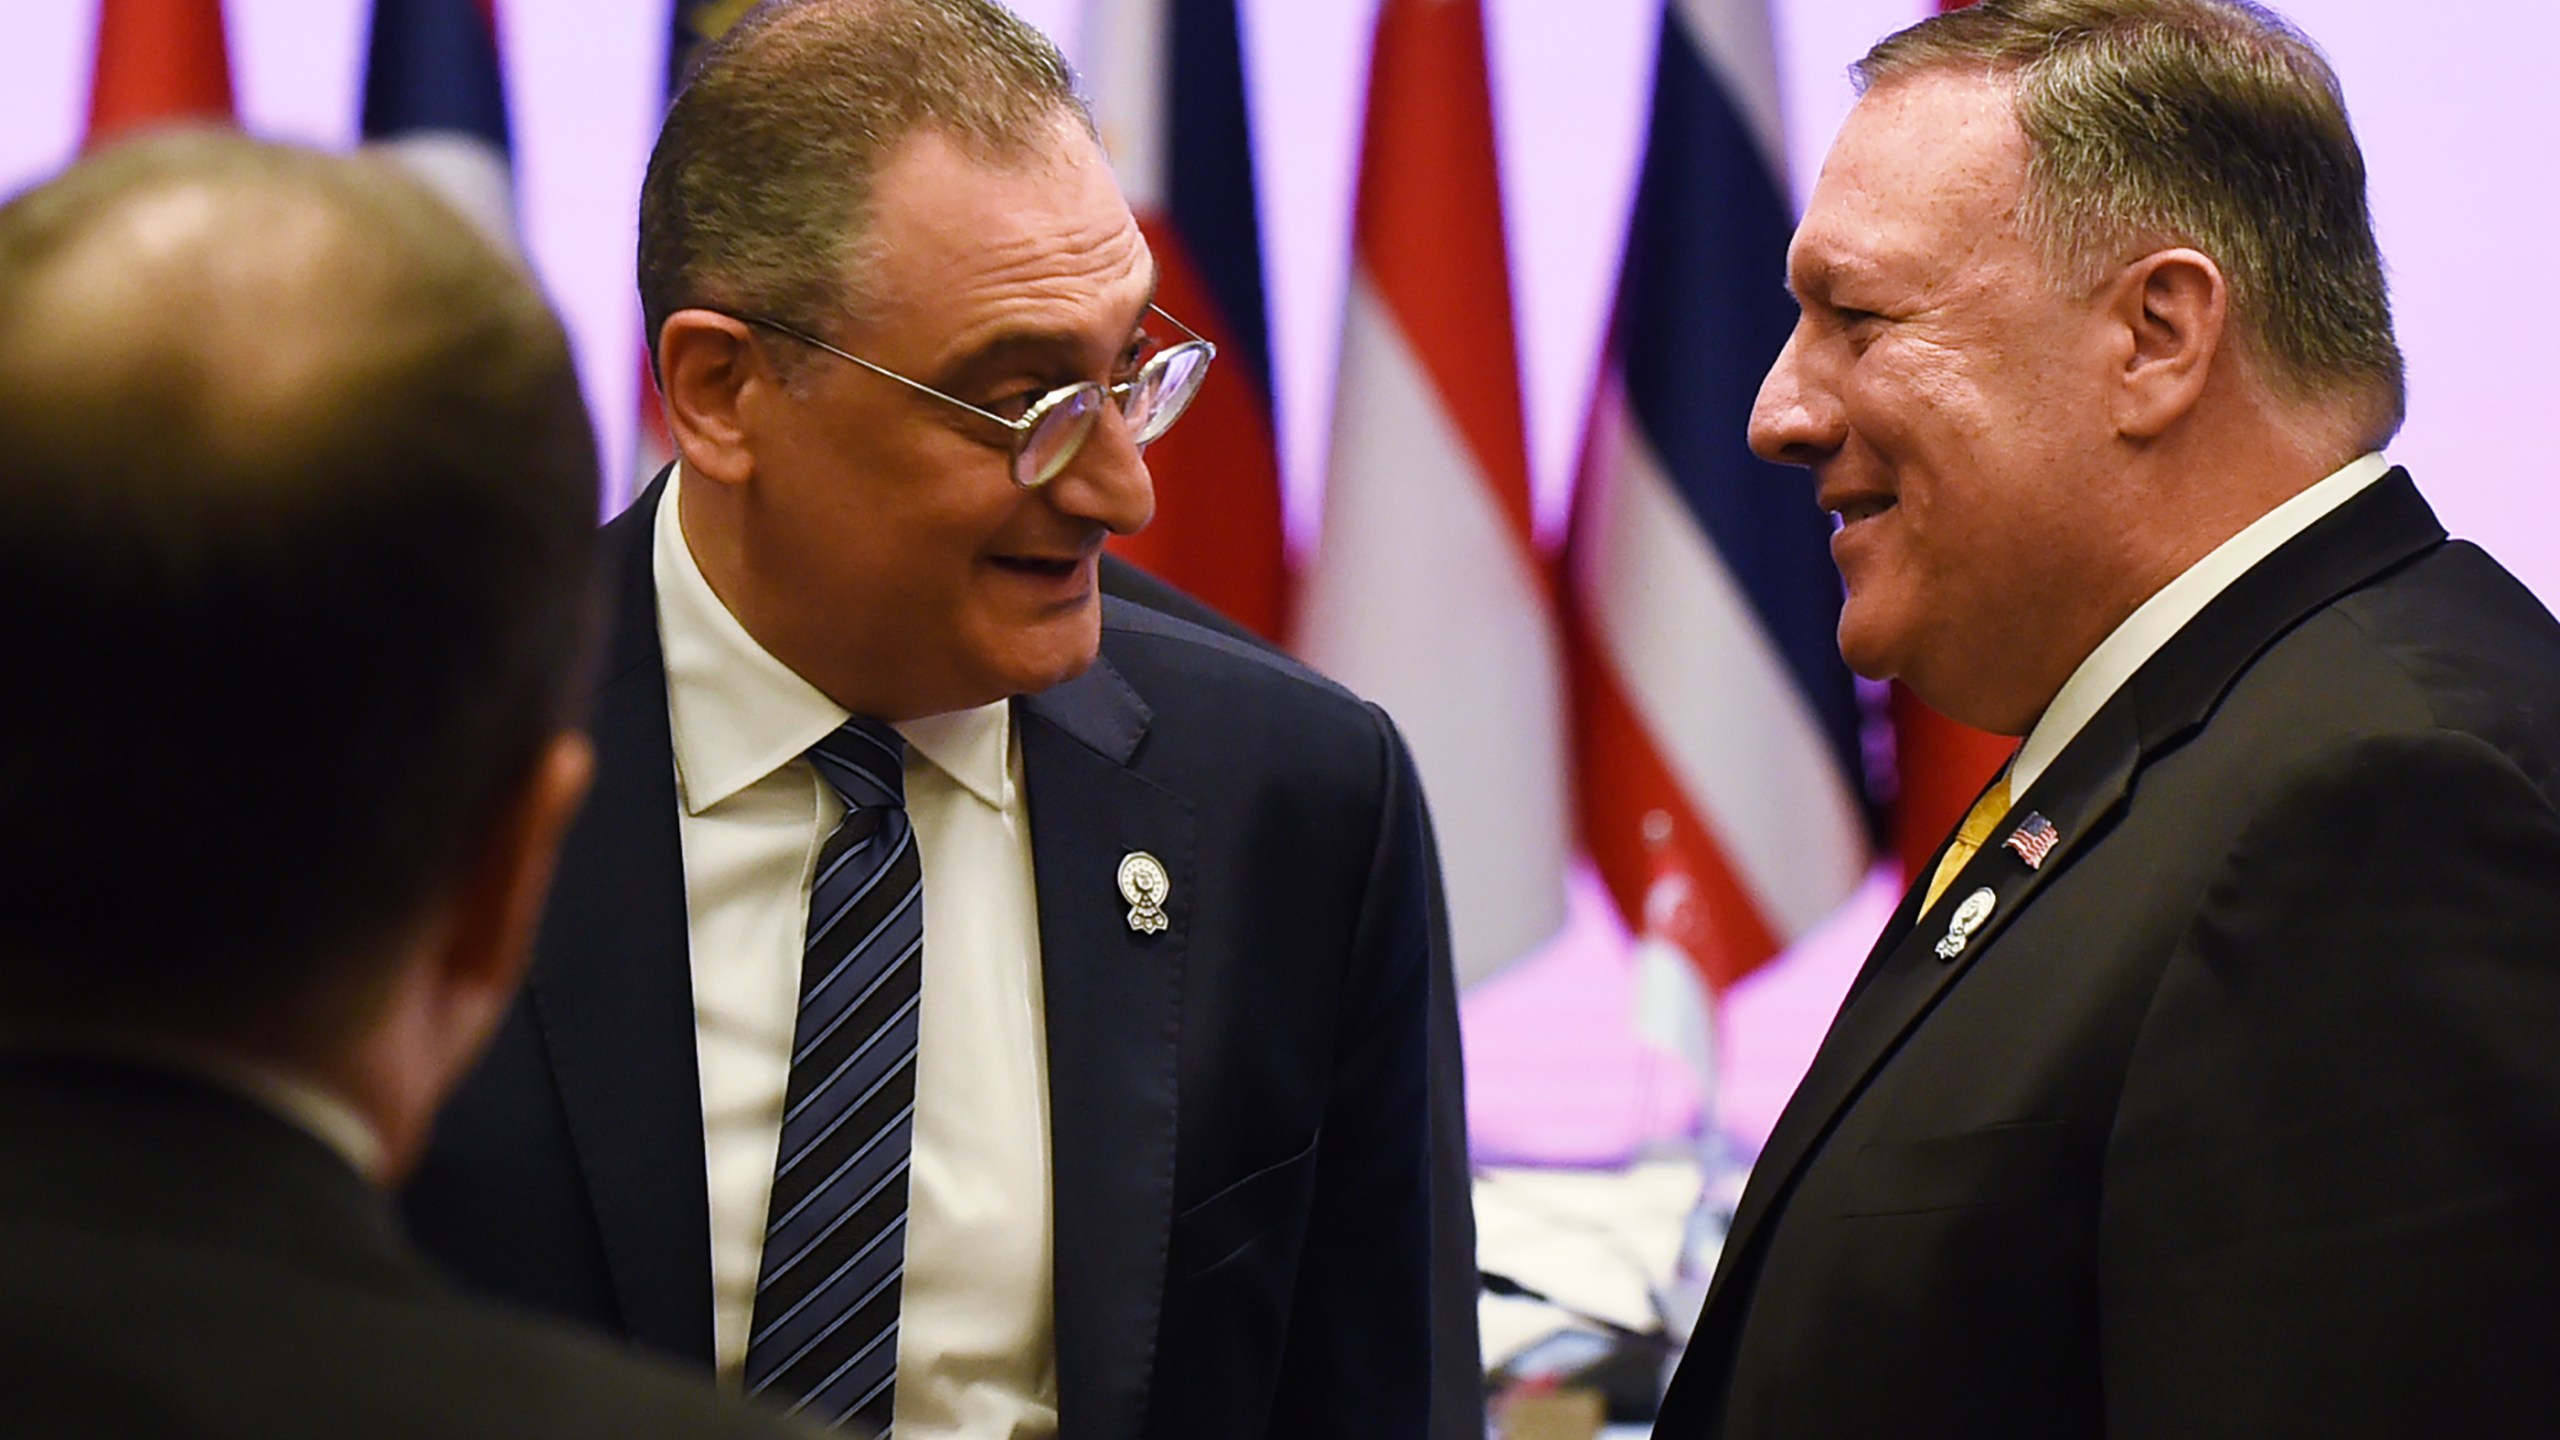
[976, 1350]
[2167, 612]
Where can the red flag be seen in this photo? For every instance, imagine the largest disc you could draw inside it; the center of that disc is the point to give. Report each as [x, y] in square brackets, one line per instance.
[1940, 766]
[1427, 593]
[1168, 83]
[158, 61]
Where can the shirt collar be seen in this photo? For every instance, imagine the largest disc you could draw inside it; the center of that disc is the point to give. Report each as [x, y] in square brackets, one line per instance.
[736, 714]
[973, 747]
[2161, 617]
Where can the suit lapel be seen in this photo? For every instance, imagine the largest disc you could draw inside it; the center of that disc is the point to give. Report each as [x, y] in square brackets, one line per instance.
[2165, 702]
[1909, 967]
[612, 985]
[1113, 997]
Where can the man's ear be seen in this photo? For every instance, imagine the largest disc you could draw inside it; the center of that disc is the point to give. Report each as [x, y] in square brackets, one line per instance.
[2172, 307]
[709, 366]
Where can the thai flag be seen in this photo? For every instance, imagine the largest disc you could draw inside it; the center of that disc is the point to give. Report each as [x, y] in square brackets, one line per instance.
[434, 100]
[1716, 729]
[158, 62]
[1427, 593]
[1168, 85]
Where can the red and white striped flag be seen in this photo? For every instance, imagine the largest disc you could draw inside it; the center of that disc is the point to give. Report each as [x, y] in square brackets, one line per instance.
[1168, 88]
[1427, 593]
[158, 62]
[1717, 731]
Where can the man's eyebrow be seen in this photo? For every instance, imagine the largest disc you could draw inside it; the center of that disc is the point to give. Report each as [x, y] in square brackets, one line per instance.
[1038, 345]
[1011, 347]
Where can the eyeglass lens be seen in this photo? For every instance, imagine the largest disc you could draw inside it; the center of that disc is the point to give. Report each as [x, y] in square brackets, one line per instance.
[1056, 436]
[1156, 397]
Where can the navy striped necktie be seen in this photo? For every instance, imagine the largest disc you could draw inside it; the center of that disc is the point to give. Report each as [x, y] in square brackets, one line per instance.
[824, 1340]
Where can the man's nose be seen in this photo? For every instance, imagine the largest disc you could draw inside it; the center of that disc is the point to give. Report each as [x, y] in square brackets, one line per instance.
[1106, 482]
[1796, 420]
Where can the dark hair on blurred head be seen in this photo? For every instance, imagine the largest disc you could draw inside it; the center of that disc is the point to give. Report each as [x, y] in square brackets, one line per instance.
[296, 579]
[2207, 123]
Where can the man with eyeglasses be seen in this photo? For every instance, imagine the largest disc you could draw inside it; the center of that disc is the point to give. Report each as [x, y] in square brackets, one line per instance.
[971, 1006]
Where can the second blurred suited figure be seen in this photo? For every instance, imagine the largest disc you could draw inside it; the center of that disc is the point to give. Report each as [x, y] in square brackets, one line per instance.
[2208, 1087]
[969, 1000]
[296, 598]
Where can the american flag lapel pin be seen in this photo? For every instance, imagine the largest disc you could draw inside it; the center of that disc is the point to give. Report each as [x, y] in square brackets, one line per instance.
[2033, 840]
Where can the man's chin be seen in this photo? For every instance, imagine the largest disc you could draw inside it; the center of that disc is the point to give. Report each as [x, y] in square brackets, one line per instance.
[1868, 654]
[1055, 651]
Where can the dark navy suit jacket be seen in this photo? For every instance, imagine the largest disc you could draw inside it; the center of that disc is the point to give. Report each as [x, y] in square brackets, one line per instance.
[1242, 1105]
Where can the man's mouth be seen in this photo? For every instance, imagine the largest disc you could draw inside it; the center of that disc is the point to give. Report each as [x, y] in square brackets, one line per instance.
[1046, 567]
[1850, 512]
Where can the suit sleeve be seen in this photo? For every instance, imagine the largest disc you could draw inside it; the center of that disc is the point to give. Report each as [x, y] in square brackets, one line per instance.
[2333, 1204]
[1457, 1360]
[1361, 1357]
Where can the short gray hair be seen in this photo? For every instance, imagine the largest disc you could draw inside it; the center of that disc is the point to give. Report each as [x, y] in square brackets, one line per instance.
[2209, 123]
[757, 188]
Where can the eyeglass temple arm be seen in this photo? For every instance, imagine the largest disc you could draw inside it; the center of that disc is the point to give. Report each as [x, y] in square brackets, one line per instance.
[777, 327]
[1018, 427]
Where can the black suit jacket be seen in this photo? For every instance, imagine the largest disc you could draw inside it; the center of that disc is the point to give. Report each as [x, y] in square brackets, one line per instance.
[177, 1262]
[2241, 1113]
[1242, 1189]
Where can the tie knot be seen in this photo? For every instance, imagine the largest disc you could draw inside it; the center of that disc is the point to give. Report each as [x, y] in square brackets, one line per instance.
[865, 761]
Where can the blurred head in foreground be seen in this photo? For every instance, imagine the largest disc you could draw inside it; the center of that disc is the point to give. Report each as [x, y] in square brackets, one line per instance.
[296, 550]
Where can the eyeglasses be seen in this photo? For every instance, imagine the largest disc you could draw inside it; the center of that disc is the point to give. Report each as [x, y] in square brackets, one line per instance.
[1054, 428]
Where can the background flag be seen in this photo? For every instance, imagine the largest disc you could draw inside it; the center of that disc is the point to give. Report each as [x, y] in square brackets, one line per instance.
[434, 98]
[158, 61]
[1168, 85]
[1427, 594]
[1939, 767]
[1716, 729]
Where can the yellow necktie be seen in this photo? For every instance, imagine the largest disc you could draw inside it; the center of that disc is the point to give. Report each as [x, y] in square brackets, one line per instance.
[1970, 835]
